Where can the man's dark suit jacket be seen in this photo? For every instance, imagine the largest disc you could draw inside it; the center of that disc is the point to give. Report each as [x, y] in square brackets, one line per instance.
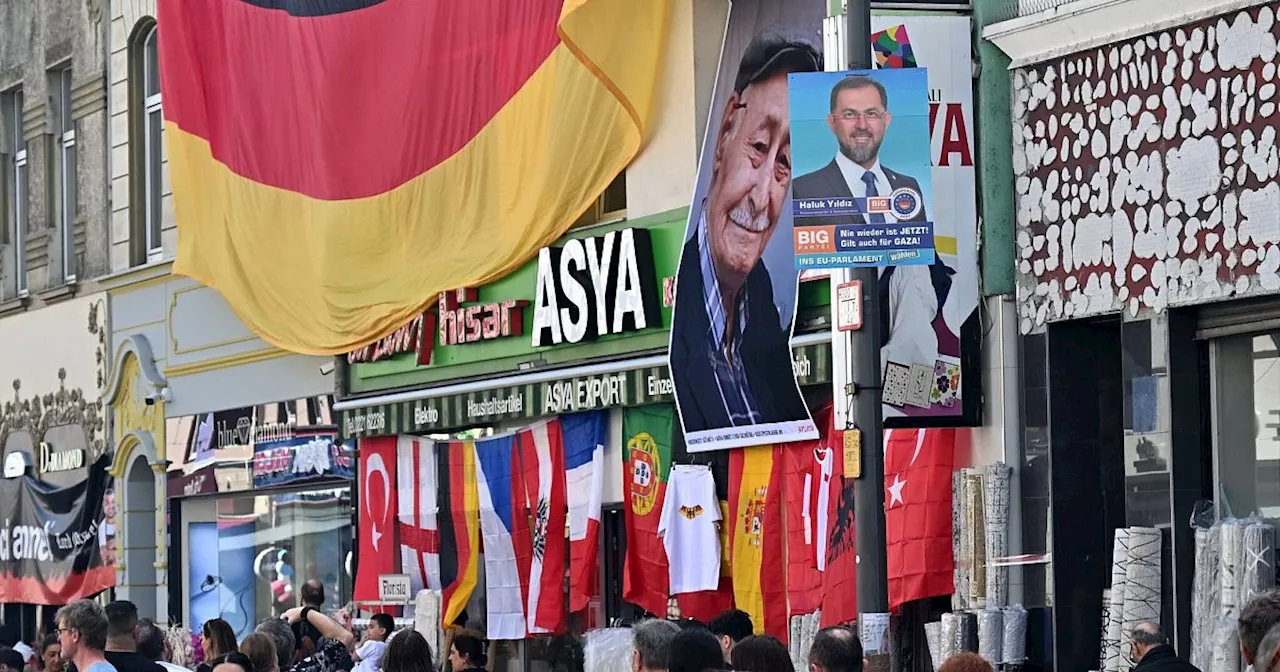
[828, 182]
[765, 348]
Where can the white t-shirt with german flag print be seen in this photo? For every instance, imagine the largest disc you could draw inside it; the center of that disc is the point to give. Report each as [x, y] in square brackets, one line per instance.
[689, 531]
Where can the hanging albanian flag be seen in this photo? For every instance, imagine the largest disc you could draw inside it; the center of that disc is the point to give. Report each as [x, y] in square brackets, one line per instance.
[336, 164]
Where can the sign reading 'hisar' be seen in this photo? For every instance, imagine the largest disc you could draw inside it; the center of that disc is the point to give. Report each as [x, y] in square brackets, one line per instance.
[592, 287]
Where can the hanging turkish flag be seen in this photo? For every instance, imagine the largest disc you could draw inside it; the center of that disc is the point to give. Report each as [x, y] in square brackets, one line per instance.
[917, 513]
[377, 498]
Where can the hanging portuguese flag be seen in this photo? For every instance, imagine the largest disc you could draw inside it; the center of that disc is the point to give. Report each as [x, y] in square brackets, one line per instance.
[336, 164]
[646, 464]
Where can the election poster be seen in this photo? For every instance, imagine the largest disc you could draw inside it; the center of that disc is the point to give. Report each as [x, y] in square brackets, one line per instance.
[730, 352]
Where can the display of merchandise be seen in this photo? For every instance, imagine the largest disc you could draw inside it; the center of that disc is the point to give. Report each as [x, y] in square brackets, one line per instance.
[1014, 641]
[933, 637]
[1231, 565]
[1106, 624]
[996, 502]
[1115, 613]
[1259, 570]
[1203, 588]
[802, 631]
[991, 635]
[607, 650]
[1225, 656]
[426, 617]
[951, 637]
[968, 637]
[689, 530]
[1141, 585]
[975, 528]
[960, 600]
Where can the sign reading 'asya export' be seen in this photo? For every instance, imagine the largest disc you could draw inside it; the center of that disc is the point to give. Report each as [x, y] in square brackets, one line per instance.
[645, 385]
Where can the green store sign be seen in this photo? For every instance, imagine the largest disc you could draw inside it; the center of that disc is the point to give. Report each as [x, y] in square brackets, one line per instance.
[630, 387]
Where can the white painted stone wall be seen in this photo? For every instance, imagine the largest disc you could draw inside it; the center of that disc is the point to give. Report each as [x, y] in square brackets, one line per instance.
[1145, 171]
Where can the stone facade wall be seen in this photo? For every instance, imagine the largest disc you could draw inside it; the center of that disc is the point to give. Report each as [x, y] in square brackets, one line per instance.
[1145, 171]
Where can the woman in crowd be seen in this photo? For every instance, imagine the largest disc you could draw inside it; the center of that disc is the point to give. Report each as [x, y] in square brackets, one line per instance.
[51, 654]
[467, 652]
[761, 654]
[408, 651]
[216, 639]
[261, 651]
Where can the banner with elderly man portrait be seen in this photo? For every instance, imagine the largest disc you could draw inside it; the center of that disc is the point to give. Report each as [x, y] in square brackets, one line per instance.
[736, 286]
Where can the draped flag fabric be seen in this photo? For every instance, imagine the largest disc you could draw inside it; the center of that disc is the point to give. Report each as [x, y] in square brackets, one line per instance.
[541, 501]
[418, 508]
[917, 513]
[305, 136]
[584, 436]
[646, 455]
[756, 538]
[460, 529]
[840, 579]
[377, 496]
[811, 487]
[502, 526]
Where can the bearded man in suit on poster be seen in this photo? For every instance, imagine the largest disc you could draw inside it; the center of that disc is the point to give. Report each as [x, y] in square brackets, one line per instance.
[911, 297]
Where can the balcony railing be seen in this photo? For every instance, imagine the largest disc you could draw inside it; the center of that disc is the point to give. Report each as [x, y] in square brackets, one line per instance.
[1012, 9]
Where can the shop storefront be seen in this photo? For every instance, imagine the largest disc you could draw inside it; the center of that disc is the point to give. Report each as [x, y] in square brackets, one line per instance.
[1147, 303]
[59, 540]
[259, 501]
[178, 357]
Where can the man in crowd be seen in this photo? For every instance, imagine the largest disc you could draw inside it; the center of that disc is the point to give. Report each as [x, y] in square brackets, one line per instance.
[1151, 651]
[1256, 620]
[1269, 652]
[151, 645]
[308, 637]
[282, 635]
[122, 639]
[651, 644]
[82, 634]
[731, 627]
[11, 661]
[836, 649]
[695, 649]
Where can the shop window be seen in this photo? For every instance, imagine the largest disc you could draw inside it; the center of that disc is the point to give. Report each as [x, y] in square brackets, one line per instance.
[1246, 380]
[267, 546]
[610, 207]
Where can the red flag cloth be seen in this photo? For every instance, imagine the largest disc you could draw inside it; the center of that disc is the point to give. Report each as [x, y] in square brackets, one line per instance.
[840, 580]
[917, 513]
[541, 491]
[810, 485]
[377, 518]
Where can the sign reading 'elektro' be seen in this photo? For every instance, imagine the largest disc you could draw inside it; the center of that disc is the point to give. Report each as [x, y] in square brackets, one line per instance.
[850, 207]
[596, 286]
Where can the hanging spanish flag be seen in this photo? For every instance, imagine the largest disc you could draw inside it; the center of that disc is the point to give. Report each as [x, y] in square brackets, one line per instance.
[336, 164]
[756, 538]
[459, 529]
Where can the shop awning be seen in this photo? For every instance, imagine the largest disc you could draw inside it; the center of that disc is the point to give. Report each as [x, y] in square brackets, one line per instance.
[630, 382]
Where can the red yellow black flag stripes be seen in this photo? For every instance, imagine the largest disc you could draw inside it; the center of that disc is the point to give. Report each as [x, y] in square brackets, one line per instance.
[333, 171]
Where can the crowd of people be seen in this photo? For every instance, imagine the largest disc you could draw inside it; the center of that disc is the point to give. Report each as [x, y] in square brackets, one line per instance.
[92, 638]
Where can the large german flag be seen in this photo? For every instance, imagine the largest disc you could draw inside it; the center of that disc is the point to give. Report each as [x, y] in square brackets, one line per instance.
[459, 527]
[338, 163]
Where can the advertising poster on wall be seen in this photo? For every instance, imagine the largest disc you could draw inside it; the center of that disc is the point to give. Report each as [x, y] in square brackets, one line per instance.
[730, 353]
[928, 337]
[851, 208]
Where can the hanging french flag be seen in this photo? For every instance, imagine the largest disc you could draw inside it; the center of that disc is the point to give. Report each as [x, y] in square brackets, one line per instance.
[541, 498]
[584, 438]
[501, 527]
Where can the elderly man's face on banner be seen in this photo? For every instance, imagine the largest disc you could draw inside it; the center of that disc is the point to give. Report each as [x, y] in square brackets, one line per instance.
[750, 177]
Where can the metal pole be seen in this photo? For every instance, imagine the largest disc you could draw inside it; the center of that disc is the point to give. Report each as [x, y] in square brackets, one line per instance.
[873, 582]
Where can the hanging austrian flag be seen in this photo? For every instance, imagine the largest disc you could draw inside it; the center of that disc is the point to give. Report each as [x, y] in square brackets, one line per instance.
[321, 150]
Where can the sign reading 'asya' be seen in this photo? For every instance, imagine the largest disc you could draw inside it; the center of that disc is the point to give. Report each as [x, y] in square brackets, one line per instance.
[592, 287]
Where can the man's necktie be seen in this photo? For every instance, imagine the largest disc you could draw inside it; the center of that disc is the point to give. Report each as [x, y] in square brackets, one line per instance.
[869, 179]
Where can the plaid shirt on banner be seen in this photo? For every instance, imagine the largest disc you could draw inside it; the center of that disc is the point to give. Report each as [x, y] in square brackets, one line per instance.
[724, 349]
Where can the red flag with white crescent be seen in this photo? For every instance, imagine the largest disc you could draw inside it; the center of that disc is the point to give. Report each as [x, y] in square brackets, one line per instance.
[377, 500]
